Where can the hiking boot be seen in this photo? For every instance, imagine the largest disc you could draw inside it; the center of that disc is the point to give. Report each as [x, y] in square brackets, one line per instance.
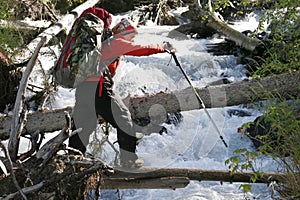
[129, 164]
[139, 137]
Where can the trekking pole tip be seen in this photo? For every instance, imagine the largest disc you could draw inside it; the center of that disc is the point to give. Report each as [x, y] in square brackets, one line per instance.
[224, 141]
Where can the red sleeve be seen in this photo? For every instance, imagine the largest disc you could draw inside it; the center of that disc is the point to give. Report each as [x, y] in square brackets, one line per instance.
[119, 47]
[146, 50]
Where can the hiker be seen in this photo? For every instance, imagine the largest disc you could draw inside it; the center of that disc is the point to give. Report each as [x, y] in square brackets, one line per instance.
[95, 96]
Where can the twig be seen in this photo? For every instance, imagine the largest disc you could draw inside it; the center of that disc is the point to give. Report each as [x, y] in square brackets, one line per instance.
[50, 10]
[26, 190]
[94, 165]
[10, 165]
[54, 145]
[74, 150]
[35, 144]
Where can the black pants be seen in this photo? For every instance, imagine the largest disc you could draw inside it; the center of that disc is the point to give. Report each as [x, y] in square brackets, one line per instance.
[111, 107]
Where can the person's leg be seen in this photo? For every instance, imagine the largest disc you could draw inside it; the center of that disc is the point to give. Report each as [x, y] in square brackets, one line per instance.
[111, 107]
[84, 115]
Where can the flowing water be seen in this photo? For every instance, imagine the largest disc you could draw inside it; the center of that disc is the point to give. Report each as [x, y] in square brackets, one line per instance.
[194, 142]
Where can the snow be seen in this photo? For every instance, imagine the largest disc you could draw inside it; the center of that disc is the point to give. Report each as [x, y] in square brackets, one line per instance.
[194, 143]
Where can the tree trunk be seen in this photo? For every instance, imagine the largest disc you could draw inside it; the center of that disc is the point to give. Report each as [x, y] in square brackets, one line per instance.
[232, 34]
[243, 92]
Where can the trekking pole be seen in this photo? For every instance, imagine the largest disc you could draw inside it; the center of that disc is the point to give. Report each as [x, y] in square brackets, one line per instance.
[198, 96]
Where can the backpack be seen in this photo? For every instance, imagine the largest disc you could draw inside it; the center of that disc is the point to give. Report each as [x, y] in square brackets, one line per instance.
[80, 55]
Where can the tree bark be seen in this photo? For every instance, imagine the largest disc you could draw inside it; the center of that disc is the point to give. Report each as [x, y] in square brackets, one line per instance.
[232, 34]
[147, 183]
[243, 92]
[240, 39]
[126, 177]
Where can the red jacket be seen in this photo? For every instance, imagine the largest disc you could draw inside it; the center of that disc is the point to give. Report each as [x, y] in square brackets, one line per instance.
[119, 46]
[115, 48]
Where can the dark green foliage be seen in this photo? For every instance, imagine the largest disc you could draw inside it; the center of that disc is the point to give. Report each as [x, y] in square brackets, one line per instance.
[282, 48]
[280, 128]
[282, 142]
[8, 35]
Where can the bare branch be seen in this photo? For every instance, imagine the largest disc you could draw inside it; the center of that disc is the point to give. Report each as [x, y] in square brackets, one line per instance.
[19, 114]
[55, 144]
[26, 190]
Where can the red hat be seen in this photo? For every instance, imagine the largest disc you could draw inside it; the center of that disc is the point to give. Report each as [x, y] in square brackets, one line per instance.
[124, 27]
[101, 13]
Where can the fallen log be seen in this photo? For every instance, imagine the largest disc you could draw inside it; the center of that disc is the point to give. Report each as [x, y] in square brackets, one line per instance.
[171, 178]
[25, 24]
[195, 174]
[239, 38]
[75, 168]
[149, 183]
[46, 121]
[214, 23]
[242, 92]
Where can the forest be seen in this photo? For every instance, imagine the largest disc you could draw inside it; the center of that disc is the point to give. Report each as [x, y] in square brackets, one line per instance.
[271, 57]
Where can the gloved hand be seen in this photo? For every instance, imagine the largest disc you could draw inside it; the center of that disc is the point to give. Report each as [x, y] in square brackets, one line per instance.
[169, 47]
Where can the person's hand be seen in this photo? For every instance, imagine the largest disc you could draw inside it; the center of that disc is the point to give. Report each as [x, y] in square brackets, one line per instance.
[169, 47]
